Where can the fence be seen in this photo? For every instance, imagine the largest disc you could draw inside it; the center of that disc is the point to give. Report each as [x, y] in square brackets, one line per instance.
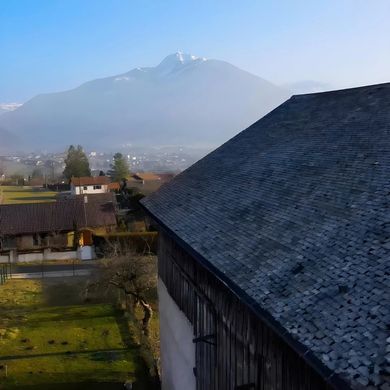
[141, 242]
[5, 272]
[42, 255]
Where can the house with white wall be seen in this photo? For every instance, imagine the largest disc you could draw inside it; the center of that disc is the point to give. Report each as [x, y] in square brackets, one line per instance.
[53, 230]
[89, 185]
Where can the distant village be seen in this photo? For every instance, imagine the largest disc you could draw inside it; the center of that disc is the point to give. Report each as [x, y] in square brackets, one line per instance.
[70, 213]
[50, 166]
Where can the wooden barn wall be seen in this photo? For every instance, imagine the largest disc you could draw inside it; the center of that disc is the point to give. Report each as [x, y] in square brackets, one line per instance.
[235, 349]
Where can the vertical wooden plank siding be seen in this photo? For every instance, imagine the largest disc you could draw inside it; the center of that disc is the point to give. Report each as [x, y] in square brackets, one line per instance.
[235, 349]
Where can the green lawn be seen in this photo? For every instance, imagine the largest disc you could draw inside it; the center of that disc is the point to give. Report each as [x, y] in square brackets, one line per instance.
[15, 194]
[50, 339]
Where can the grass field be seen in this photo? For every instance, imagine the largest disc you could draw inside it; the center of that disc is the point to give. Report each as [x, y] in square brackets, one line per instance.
[15, 194]
[51, 339]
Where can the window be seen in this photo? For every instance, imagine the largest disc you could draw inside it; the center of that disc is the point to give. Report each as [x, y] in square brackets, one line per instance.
[8, 243]
[85, 188]
[97, 187]
[36, 240]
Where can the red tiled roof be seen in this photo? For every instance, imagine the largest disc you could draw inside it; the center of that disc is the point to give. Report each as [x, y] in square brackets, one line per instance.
[114, 186]
[90, 181]
[63, 215]
[146, 176]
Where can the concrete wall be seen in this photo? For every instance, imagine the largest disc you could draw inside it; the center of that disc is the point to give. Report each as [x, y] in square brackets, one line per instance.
[177, 350]
[86, 253]
[26, 257]
[69, 255]
[46, 255]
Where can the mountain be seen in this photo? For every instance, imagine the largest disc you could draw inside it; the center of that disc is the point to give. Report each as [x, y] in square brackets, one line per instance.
[8, 141]
[184, 100]
[307, 86]
[7, 107]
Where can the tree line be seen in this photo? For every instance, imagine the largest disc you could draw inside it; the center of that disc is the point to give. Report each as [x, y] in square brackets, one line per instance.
[77, 165]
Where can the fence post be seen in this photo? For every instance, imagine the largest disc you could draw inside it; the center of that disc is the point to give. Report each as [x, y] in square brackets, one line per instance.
[4, 275]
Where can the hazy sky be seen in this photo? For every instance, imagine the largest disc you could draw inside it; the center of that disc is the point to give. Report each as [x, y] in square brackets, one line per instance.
[51, 45]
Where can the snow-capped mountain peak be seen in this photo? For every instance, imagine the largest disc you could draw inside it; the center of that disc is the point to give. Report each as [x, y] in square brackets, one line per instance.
[7, 107]
[185, 58]
[177, 61]
[169, 65]
[10, 106]
[180, 57]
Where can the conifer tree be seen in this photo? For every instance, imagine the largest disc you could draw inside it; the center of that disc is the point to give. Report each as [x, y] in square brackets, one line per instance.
[76, 163]
[120, 168]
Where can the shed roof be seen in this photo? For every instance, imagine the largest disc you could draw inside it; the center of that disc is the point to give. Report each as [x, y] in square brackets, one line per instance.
[146, 176]
[294, 213]
[62, 215]
[114, 186]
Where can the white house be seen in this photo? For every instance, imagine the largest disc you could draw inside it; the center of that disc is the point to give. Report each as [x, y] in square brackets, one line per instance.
[89, 185]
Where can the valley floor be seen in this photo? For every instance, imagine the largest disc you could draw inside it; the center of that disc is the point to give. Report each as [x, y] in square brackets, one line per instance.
[19, 194]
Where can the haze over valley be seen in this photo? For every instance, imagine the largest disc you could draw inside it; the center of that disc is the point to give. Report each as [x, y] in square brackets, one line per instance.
[185, 100]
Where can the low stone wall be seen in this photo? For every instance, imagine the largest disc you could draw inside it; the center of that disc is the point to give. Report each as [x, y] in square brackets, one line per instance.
[69, 255]
[27, 257]
[38, 256]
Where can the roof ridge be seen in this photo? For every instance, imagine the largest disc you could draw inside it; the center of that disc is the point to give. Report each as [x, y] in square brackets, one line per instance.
[344, 90]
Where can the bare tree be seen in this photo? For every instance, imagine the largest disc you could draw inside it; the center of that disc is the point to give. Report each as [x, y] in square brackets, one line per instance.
[131, 273]
[134, 275]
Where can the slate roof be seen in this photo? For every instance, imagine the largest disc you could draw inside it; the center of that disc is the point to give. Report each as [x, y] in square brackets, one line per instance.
[295, 212]
[62, 215]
